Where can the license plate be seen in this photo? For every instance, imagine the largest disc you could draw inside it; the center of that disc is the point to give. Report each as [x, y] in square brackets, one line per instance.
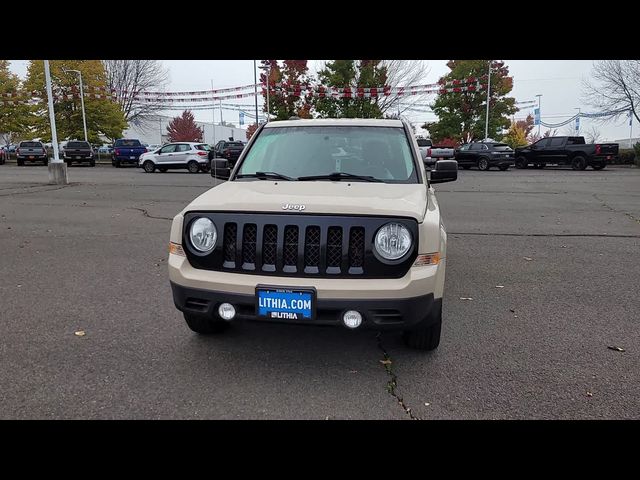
[608, 157]
[283, 303]
[76, 156]
[132, 157]
[30, 156]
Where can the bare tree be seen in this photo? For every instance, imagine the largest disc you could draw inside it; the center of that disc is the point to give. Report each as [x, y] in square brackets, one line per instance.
[570, 129]
[615, 86]
[593, 135]
[127, 78]
[403, 73]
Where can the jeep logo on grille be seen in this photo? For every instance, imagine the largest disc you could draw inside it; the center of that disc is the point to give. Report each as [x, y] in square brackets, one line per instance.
[291, 206]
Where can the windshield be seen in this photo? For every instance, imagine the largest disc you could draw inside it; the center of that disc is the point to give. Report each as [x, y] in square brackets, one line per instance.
[380, 152]
[128, 143]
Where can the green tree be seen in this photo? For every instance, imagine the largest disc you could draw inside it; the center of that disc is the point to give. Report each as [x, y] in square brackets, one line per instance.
[14, 114]
[462, 115]
[353, 74]
[104, 116]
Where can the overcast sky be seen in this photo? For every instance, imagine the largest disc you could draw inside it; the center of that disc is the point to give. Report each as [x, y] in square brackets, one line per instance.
[558, 81]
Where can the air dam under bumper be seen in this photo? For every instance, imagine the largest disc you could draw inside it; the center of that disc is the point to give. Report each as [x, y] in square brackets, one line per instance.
[378, 314]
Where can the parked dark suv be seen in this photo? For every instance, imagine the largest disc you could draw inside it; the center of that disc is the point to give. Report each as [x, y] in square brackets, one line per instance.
[485, 155]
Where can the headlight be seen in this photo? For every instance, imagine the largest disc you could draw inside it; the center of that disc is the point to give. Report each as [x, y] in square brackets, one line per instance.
[392, 241]
[203, 234]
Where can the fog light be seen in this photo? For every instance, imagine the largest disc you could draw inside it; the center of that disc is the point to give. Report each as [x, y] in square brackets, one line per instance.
[226, 311]
[352, 319]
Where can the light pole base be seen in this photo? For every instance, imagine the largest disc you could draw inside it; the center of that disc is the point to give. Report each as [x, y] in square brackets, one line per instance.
[58, 173]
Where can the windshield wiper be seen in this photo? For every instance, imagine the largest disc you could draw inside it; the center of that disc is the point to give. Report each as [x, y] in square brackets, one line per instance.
[265, 176]
[337, 176]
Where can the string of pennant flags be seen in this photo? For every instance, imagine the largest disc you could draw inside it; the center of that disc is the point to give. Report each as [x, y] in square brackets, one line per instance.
[453, 86]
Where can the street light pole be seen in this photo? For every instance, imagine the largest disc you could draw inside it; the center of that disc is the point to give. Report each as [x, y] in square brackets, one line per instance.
[57, 168]
[539, 113]
[255, 87]
[84, 118]
[486, 124]
[213, 119]
[267, 69]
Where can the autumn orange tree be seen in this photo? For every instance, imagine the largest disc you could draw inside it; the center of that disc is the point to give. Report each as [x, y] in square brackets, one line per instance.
[184, 129]
[251, 129]
[288, 83]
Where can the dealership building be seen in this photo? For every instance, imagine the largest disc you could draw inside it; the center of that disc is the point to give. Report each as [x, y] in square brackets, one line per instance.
[155, 131]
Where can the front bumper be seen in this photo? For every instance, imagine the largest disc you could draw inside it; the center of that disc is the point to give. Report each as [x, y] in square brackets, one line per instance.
[378, 314]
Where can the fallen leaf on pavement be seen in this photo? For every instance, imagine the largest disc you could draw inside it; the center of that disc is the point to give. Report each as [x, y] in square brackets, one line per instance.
[589, 394]
[617, 349]
[80, 333]
[385, 362]
[528, 259]
[466, 298]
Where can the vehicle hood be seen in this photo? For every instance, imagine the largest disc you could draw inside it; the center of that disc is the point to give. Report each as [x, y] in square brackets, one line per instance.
[317, 197]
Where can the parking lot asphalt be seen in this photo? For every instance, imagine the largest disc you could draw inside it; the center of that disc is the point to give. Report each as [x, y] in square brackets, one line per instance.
[91, 257]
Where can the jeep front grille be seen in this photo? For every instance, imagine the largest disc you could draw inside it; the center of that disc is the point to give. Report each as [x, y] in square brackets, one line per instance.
[299, 245]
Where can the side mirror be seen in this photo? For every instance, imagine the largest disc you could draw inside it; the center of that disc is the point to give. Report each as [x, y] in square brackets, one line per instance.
[444, 171]
[220, 168]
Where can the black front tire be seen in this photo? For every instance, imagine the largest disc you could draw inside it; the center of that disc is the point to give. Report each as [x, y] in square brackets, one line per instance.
[193, 166]
[483, 164]
[521, 162]
[205, 325]
[426, 338]
[149, 166]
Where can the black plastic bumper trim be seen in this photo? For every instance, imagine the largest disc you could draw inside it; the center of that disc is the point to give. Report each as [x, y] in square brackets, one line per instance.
[378, 314]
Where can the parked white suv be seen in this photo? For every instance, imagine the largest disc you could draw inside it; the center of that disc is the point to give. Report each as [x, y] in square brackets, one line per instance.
[190, 155]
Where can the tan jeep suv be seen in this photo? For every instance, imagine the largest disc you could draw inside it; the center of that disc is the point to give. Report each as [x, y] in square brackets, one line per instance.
[322, 222]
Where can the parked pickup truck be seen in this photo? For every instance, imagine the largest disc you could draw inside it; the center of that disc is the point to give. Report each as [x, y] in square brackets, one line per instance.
[572, 151]
[76, 151]
[127, 151]
[31, 152]
[230, 150]
[431, 154]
